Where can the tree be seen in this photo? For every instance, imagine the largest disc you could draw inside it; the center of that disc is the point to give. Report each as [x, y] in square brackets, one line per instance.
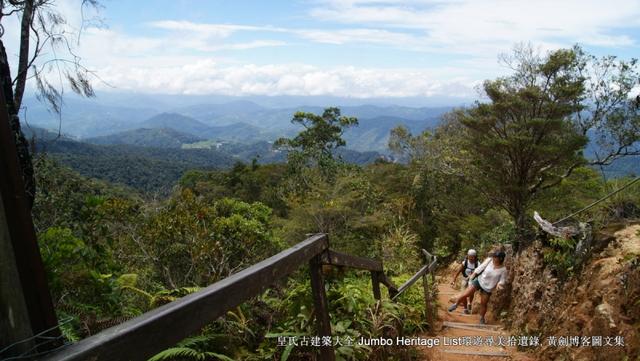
[195, 242]
[444, 208]
[314, 146]
[531, 133]
[40, 22]
[405, 145]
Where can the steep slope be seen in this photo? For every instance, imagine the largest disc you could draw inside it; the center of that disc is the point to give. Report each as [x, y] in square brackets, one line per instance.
[144, 137]
[601, 301]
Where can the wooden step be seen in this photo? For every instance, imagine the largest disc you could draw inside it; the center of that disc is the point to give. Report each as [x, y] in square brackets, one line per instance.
[470, 327]
[478, 353]
[476, 325]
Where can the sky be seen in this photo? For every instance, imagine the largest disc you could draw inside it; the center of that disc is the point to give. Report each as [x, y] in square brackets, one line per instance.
[346, 48]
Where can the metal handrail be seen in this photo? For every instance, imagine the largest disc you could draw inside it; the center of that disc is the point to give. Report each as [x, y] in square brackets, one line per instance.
[427, 268]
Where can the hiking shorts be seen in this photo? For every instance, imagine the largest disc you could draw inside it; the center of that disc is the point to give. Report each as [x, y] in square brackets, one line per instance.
[476, 284]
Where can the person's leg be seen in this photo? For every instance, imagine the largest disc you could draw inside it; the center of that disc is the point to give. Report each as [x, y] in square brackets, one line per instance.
[462, 297]
[484, 300]
[464, 284]
[471, 301]
[467, 293]
[463, 302]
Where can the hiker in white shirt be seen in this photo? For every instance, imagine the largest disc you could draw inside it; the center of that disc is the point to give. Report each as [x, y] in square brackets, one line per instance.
[489, 275]
[468, 265]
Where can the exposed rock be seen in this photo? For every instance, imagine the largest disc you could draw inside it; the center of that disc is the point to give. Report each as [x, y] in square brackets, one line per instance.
[604, 314]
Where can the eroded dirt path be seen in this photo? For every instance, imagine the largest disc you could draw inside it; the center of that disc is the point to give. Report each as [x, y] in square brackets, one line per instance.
[480, 342]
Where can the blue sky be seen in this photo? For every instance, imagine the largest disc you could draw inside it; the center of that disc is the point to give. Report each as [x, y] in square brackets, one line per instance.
[353, 48]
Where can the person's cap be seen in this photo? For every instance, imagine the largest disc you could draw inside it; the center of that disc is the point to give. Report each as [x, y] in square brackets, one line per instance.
[472, 252]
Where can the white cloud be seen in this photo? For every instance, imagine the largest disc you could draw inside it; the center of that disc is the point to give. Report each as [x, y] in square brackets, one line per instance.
[195, 35]
[473, 26]
[251, 45]
[207, 76]
[344, 36]
[206, 37]
[184, 57]
[210, 30]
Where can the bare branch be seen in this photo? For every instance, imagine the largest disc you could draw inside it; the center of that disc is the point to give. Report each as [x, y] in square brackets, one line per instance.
[622, 151]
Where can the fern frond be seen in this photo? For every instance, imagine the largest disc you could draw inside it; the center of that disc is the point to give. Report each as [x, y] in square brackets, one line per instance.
[186, 353]
[177, 353]
[137, 291]
[194, 341]
[218, 356]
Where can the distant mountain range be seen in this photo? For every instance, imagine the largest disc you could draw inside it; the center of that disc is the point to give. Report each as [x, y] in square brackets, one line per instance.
[173, 130]
[238, 127]
[236, 121]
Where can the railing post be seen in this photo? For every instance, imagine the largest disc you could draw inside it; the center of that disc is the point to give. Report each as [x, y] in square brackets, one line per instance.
[433, 291]
[427, 300]
[430, 311]
[321, 307]
[375, 283]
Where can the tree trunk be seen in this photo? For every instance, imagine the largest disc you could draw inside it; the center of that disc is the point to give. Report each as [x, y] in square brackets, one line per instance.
[22, 145]
[14, 311]
[23, 60]
[521, 224]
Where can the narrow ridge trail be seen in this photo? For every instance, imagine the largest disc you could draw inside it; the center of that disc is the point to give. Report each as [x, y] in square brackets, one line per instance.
[457, 325]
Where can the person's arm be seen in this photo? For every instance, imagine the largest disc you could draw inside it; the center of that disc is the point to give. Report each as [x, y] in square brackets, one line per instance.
[455, 277]
[503, 280]
[479, 269]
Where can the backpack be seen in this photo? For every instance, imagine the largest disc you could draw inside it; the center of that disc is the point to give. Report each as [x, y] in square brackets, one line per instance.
[465, 263]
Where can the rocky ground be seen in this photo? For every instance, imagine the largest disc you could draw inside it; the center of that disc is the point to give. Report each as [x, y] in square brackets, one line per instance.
[601, 301]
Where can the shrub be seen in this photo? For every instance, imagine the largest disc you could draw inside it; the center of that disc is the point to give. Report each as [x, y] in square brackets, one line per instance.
[559, 255]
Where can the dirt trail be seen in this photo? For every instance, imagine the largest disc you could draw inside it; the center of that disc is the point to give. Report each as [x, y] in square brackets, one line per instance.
[457, 325]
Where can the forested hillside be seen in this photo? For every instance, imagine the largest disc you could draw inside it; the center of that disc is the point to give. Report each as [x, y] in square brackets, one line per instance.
[148, 137]
[153, 160]
[147, 169]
